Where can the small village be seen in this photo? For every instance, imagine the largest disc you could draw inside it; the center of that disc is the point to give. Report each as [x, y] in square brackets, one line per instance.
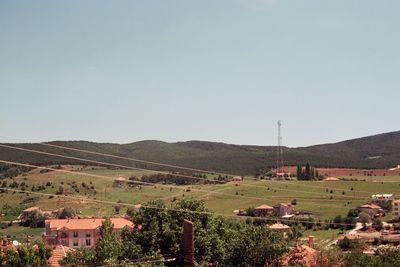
[201, 133]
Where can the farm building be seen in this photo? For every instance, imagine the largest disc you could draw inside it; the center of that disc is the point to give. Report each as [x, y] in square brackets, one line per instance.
[26, 213]
[263, 210]
[396, 209]
[237, 179]
[120, 182]
[371, 209]
[381, 198]
[331, 179]
[283, 209]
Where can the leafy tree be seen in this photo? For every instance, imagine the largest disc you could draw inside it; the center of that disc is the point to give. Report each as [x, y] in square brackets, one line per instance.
[386, 205]
[80, 257]
[256, 246]
[251, 211]
[35, 219]
[337, 222]
[347, 244]
[108, 247]
[66, 212]
[364, 218]
[377, 224]
[27, 255]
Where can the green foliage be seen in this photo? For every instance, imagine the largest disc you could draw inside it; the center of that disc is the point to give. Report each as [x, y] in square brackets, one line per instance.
[364, 218]
[108, 247]
[377, 224]
[80, 257]
[255, 246]
[306, 173]
[239, 159]
[66, 212]
[347, 244]
[27, 255]
[35, 220]
[386, 205]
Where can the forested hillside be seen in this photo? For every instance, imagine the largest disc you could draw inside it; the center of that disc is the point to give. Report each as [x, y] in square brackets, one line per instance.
[379, 151]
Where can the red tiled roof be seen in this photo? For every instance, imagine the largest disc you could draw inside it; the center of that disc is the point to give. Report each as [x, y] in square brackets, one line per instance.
[264, 207]
[279, 226]
[31, 209]
[370, 206]
[303, 254]
[330, 179]
[396, 201]
[87, 223]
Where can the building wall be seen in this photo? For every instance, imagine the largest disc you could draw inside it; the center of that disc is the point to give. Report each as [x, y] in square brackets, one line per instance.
[263, 212]
[396, 210]
[281, 210]
[370, 212]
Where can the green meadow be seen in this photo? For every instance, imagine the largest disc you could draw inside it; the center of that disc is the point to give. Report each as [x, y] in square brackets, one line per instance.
[324, 200]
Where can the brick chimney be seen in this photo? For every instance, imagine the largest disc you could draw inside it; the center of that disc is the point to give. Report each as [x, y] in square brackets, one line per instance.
[188, 244]
[311, 241]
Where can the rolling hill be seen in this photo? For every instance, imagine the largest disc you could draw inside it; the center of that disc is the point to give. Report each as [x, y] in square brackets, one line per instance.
[378, 151]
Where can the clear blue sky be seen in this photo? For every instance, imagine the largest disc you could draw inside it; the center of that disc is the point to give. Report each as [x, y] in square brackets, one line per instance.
[216, 70]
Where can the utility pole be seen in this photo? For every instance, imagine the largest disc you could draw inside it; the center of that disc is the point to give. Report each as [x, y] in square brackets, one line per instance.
[188, 244]
[279, 152]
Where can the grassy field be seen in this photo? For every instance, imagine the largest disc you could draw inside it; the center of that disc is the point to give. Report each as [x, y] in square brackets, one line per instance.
[324, 199]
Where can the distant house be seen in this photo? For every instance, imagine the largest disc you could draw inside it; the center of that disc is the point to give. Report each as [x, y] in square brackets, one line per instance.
[331, 179]
[241, 212]
[78, 232]
[237, 179]
[26, 213]
[283, 209]
[120, 182]
[381, 198]
[263, 210]
[396, 209]
[371, 209]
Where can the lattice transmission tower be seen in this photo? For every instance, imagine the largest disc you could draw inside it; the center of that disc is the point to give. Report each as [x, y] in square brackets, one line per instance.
[279, 153]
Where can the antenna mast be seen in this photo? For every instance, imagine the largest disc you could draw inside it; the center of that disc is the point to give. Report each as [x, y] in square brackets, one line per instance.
[279, 158]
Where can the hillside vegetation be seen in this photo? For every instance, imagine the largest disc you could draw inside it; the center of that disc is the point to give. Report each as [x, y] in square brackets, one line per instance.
[378, 151]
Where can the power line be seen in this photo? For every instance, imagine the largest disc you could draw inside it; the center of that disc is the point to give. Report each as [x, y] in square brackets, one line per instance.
[121, 157]
[128, 181]
[150, 162]
[101, 162]
[134, 168]
[172, 209]
[146, 183]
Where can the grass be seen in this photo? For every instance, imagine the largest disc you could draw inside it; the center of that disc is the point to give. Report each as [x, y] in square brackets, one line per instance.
[20, 233]
[312, 196]
[322, 237]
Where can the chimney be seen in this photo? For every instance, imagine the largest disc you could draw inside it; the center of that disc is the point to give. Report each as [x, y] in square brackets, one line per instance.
[311, 241]
[188, 244]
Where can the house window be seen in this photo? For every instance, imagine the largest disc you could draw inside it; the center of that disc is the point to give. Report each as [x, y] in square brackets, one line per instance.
[75, 234]
[88, 234]
[88, 243]
[64, 235]
[76, 243]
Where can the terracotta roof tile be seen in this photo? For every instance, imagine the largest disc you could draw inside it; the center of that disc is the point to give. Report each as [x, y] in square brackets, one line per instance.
[87, 223]
[264, 207]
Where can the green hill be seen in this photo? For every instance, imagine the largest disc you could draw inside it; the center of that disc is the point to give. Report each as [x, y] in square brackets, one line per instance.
[378, 151]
